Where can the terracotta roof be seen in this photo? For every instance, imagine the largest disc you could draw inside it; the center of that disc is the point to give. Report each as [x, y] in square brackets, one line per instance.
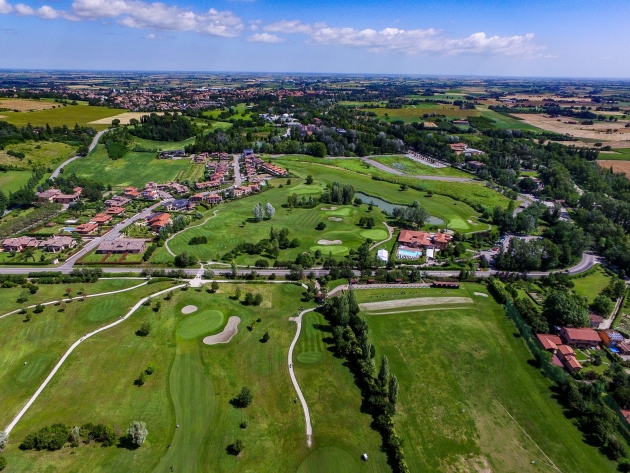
[549, 342]
[420, 238]
[587, 334]
[566, 350]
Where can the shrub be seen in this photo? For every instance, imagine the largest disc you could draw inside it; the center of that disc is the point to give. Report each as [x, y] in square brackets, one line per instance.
[140, 380]
[198, 240]
[261, 263]
[144, 329]
[3, 463]
[320, 226]
[244, 424]
[243, 399]
[236, 448]
[150, 369]
[48, 438]
[137, 433]
[265, 337]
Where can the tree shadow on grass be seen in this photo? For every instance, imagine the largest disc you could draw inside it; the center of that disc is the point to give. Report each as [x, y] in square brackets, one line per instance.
[126, 443]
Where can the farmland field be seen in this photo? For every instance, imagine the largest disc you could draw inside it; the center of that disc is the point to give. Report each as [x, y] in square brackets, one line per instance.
[503, 121]
[70, 115]
[191, 387]
[615, 165]
[24, 105]
[621, 154]
[411, 113]
[38, 153]
[134, 169]
[452, 414]
[11, 181]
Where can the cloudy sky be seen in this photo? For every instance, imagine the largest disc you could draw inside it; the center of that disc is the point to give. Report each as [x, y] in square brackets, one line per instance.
[557, 38]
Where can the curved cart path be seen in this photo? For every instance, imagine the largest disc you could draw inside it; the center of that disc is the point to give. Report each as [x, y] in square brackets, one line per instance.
[70, 299]
[307, 416]
[390, 230]
[214, 214]
[71, 349]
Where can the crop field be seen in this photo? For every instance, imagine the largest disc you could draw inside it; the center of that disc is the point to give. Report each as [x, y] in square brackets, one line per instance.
[413, 113]
[38, 153]
[70, 115]
[133, 169]
[190, 388]
[616, 165]
[621, 154]
[226, 230]
[469, 400]
[11, 181]
[441, 206]
[504, 122]
[409, 166]
[25, 105]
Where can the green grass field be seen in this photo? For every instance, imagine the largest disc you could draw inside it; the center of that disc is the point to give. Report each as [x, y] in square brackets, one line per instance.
[414, 113]
[469, 400]
[38, 153]
[225, 230]
[503, 121]
[409, 166]
[621, 154]
[590, 286]
[69, 116]
[161, 145]
[134, 169]
[192, 386]
[11, 181]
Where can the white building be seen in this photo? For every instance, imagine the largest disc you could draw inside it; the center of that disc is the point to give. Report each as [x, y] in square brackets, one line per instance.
[383, 255]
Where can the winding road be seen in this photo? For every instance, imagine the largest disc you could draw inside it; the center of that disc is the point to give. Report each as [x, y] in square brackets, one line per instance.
[307, 416]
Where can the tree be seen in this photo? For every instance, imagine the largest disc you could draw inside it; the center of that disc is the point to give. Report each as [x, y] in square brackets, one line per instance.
[237, 447]
[383, 374]
[258, 299]
[258, 212]
[4, 438]
[265, 337]
[320, 226]
[249, 298]
[185, 259]
[75, 434]
[237, 293]
[115, 122]
[393, 389]
[3, 463]
[39, 308]
[243, 399]
[141, 379]
[214, 286]
[602, 305]
[137, 432]
[23, 296]
[309, 179]
[564, 308]
[269, 211]
[144, 329]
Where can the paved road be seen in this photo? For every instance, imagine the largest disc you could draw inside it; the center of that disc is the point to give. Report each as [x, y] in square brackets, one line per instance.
[71, 349]
[307, 416]
[237, 172]
[92, 146]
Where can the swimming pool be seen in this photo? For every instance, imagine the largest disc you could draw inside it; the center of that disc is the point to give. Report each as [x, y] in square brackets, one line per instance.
[409, 254]
[68, 229]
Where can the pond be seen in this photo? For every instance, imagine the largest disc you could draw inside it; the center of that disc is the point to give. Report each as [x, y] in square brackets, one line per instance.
[389, 207]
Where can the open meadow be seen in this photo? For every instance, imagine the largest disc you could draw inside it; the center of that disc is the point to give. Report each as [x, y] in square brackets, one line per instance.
[69, 116]
[414, 113]
[133, 169]
[593, 284]
[469, 400]
[37, 153]
[11, 181]
[186, 401]
[409, 166]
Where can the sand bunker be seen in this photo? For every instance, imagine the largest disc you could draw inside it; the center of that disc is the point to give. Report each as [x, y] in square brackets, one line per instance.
[482, 294]
[414, 302]
[329, 242]
[330, 208]
[189, 309]
[335, 219]
[231, 329]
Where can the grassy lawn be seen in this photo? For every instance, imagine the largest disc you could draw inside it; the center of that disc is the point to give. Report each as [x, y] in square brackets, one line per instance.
[192, 386]
[162, 145]
[409, 166]
[31, 349]
[69, 116]
[194, 172]
[622, 154]
[469, 400]
[455, 213]
[134, 169]
[38, 153]
[590, 286]
[11, 181]
[225, 230]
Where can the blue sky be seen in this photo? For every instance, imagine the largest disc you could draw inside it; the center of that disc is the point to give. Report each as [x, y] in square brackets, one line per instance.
[451, 37]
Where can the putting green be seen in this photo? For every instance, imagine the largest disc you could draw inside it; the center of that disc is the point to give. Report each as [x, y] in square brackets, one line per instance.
[343, 212]
[375, 234]
[458, 223]
[303, 189]
[310, 356]
[200, 324]
[35, 368]
[333, 460]
[326, 249]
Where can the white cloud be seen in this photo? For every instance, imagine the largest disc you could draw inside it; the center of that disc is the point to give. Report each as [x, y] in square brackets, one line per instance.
[46, 12]
[5, 8]
[265, 38]
[424, 41]
[295, 26]
[22, 9]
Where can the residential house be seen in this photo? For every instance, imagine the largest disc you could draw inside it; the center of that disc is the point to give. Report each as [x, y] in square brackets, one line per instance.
[47, 195]
[611, 338]
[424, 240]
[274, 170]
[149, 194]
[213, 198]
[567, 357]
[122, 245]
[549, 342]
[580, 337]
[58, 243]
[115, 211]
[101, 219]
[69, 198]
[595, 320]
[474, 165]
[86, 228]
[179, 205]
[158, 220]
[117, 201]
[19, 243]
[131, 192]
